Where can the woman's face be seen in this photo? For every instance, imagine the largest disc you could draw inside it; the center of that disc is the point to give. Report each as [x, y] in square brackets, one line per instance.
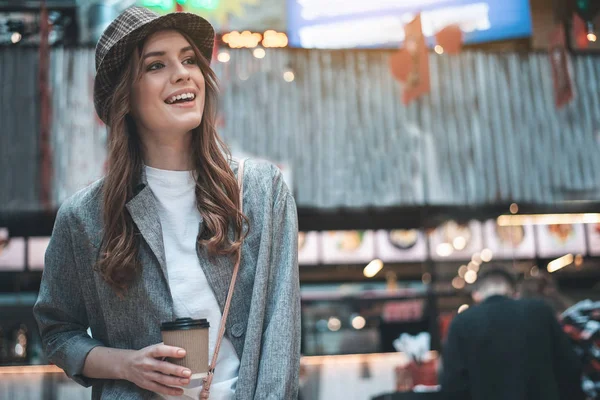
[168, 98]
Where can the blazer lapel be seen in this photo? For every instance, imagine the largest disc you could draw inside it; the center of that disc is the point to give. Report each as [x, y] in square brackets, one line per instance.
[144, 213]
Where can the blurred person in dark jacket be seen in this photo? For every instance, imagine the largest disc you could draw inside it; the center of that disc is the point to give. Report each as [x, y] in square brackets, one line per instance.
[543, 287]
[508, 349]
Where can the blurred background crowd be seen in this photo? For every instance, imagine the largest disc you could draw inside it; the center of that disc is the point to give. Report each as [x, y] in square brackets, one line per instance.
[424, 142]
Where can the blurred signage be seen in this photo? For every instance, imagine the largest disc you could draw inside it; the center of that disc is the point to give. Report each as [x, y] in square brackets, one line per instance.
[192, 4]
[228, 15]
[380, 23]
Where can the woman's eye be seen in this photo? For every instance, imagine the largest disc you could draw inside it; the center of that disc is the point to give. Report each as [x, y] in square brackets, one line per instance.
[190, 61]
[155, 66]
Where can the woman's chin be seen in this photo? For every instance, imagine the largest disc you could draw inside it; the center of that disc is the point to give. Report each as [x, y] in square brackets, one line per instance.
[185, 125]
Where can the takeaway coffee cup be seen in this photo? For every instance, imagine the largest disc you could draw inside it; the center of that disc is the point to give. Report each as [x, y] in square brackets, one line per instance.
[191, 335]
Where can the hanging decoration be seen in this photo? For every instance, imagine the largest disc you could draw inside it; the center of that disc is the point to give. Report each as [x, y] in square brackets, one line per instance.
[561, 73]
[580, 32]
[450, 39]
[410, 65]
[401, 65]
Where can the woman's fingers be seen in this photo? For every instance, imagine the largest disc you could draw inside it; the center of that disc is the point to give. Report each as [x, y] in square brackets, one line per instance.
[168, 368]
[167, 380]
[162, 350]
[162, 389]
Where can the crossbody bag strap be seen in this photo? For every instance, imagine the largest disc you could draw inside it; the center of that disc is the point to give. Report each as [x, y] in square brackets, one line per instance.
[211, 369]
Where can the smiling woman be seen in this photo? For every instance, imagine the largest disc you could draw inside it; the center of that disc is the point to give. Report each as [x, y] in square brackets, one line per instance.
[162, 236]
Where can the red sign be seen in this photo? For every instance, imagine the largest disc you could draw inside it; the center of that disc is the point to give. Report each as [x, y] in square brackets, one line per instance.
[561, 74]
[580, 32]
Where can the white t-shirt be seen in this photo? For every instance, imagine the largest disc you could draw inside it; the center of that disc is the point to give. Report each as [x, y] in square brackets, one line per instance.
[192, 295]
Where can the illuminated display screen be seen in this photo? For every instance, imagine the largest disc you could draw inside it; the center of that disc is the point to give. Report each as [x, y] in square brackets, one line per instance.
[337, 24]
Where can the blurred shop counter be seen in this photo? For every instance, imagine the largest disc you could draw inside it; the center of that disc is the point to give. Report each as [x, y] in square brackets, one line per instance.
[321, 377]
[409, 396]
[46, 382]
[370, 375]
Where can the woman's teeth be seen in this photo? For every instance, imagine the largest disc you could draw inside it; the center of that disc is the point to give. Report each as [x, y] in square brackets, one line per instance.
[181, 97]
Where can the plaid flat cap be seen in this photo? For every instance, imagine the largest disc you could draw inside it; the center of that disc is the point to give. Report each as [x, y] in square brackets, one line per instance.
[133, 25]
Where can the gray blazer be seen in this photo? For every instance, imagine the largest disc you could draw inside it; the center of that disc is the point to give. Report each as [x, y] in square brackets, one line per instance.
[264, 320]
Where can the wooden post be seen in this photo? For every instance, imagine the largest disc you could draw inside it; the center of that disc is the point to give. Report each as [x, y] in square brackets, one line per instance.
[45, 110]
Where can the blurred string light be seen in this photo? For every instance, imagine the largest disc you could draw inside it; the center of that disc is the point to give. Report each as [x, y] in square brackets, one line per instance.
[463, 308]
[426, 278]
[272, 38]
[358, 322]
[334, 324]
[459, 243]
[251, 40]
[458, 283]
[245, 39]
[535, 271]
[486, 255]
[288, 74]
[578, 260]
[473, 266]
[16, 37]
[444, 249]
[470, 277]
[462, 271]
[373, 268]
[514, 208]
[591, 35]
[560, 263]
[223, 56]
[548, 219]
[438, 49]
[259, 53]
[476, 258]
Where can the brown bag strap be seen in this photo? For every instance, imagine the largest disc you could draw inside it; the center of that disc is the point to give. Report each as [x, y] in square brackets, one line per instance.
[211, 369]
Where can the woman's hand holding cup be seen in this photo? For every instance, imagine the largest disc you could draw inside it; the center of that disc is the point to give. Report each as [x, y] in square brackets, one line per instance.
[147, 369]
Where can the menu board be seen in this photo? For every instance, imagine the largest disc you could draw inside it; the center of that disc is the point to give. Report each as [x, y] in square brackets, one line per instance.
[308, 248]
[12, 254]
[558, 240]
[507, 242]
[401, 245]
[36, 252]
[352, 247]
[593, 234]
[455, 242]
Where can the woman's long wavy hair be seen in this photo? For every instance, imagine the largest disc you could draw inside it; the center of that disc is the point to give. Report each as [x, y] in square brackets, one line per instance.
[217, 192]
